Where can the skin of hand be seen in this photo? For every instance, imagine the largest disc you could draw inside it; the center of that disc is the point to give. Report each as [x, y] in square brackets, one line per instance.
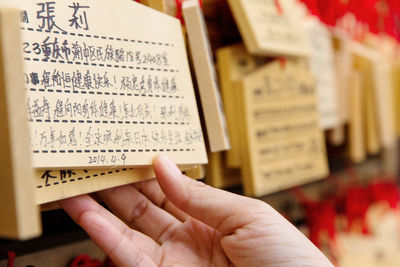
[178, 221]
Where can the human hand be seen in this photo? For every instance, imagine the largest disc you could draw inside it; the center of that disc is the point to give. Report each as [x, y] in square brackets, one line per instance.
[178, 221]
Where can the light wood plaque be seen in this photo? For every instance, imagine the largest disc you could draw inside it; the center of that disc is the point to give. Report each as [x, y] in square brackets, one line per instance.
[218, 175]
[343, 65]
[323, 68]
[201, 54]
[381, 82]
[270, 27]
[103, 89]
[356, 133]
[107, 86]
[283, 144]
[19, 214]
[234, 62]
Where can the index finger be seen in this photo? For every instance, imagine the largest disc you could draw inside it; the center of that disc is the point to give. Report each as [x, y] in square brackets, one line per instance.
[152, 190]
[218, 208]
[79, 208]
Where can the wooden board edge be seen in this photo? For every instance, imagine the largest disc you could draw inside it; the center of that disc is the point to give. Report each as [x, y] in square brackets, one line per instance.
[19, 213]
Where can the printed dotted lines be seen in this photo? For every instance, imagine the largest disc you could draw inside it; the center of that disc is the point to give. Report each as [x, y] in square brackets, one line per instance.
[100, 37]
[114, 122]
[83, 177]
[102, 93]
[112, 150]
[99, 64]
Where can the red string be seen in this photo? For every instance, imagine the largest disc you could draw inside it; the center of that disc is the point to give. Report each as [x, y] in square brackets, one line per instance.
[179, 12]
[278, 7]
[357, 203]
[320, 216]
[282, 60]
[353, 203]
[85, 261]
[11, 257]
[108, 263]
[377, 15]
[384, 192]
[312, 6]
[301, 196]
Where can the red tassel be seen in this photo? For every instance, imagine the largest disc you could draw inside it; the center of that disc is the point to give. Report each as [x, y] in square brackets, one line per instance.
[320, 217]
[108, 263]
[357, 203]
[278, 7]
[11, 257]
[282, 60]
[85, 261]
[384, 192]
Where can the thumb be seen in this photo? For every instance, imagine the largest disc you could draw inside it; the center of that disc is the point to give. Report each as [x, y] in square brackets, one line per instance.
[217, 208]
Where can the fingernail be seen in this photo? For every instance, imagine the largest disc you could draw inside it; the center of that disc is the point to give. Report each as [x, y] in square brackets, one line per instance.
[169, 165]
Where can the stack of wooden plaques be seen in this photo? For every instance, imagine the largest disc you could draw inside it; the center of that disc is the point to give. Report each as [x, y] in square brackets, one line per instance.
[271, 104]
[105, 89]
[92, 92]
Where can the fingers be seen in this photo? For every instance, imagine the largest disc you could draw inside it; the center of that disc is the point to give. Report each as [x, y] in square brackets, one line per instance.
[76, 206]
[217, 208]
[121, 250]
[138, 212]
[151, 189]
[108, 232]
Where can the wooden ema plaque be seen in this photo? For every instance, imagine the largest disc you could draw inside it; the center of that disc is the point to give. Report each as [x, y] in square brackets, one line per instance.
[200, 50]
[169, 8]
[396, 98]
[218, 175]
[105, 86]
[270, 27]
[380, 81]
[283, 144]
[234, 62]
[366, 101]
[96, 100]
[18, 212]
[323, 68]
[342, 59]
[356, 136]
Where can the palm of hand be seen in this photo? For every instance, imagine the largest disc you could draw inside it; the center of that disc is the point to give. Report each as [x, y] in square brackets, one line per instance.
[151, 229]
[193, 244]
[189, 224]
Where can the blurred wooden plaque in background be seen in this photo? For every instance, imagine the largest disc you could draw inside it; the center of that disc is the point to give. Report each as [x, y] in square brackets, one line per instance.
[283, 144]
